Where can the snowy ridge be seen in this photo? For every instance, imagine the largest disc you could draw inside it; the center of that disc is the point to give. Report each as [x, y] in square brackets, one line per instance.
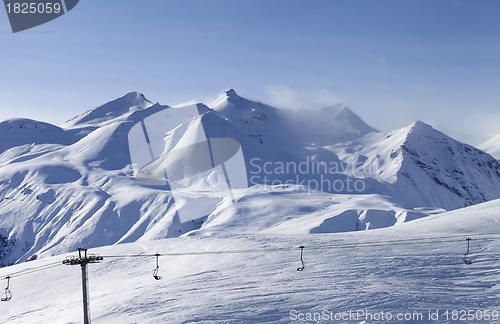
[61, 189]
[22, 131]
[129, 102]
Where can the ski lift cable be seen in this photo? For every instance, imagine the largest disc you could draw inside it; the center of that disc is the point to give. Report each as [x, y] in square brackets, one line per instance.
[424, 240]
[32, 270]
[199, 253]
[53, 265]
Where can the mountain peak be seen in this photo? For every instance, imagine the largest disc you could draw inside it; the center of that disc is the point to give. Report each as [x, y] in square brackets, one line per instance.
[230, 92]
[418, 124]
[134, 96]
[338, 110]
[338, 107]
[125, 104]
[224, 99]
[340, 115]
[419, 132]
[419, 128]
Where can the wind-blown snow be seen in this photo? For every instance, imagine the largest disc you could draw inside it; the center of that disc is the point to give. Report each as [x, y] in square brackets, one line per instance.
[492, 146]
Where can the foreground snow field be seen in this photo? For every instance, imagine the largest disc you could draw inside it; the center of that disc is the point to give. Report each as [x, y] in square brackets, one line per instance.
[411, 270]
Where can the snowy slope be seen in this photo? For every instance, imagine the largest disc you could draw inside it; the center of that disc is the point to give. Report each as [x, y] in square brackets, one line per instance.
[413, 269]
[492, 146]
[65, 188]
[19, 132]
[291, 210]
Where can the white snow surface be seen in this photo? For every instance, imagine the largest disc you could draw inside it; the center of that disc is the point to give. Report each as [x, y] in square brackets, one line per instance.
[71, 187]
[415, 268]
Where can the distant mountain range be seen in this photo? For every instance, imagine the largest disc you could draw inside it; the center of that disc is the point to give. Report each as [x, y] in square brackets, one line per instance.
[308, 172]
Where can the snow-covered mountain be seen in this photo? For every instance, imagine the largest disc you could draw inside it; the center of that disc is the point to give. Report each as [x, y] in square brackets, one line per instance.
[321, 172]
[418, 157]
[492, 146]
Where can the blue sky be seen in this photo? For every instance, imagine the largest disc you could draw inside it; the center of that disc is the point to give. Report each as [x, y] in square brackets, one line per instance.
[392, 62]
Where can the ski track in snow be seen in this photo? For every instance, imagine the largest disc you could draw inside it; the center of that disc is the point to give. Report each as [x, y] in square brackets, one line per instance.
[264, 287]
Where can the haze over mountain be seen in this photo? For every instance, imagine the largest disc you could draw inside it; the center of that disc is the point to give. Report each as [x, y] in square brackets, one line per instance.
[63, 188]
[492, 146]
